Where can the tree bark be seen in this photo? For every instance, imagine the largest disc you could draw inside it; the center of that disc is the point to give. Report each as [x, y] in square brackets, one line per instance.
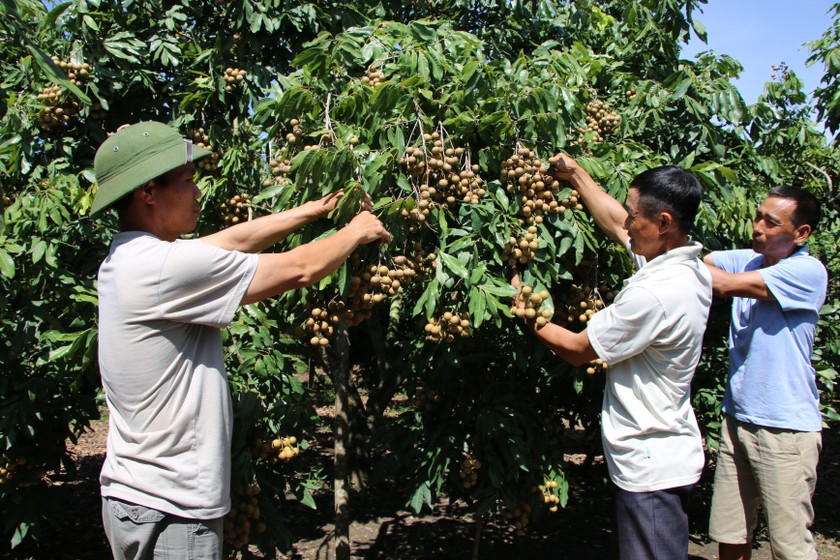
[339, 363]
[358, 458]
[477, 538]
[388, 380]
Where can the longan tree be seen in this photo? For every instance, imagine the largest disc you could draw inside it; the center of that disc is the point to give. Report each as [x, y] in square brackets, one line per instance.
[448, 124]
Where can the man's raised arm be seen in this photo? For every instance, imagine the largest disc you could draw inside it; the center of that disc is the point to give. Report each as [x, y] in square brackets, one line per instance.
[748, 284]
[308, 264]
[608, 213]
[256, 235]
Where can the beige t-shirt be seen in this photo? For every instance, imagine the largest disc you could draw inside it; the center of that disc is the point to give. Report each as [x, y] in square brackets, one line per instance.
[651, 337]
[161, 308]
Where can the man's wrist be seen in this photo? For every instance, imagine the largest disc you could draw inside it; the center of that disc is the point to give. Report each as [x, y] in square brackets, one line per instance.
[315, 210]
[531, 324]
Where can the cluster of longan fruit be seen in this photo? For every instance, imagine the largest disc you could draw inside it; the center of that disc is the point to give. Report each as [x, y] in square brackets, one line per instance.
[376, 282]
[234, 78]
[77, 72]
[443, 177]
[519, 516]
[235, 209]
[320, 325]
[295, 132]
[426, 400]
[571, 201]
[600, 121]
[520, 250]
[97, 111]
[532, 310]
[374, 77]
[280, 170]
[524, 174]
[244, 515]
[58, 105]
[367, 288]
[596, 366]
[469, 472]
[582, 302]
[550, 499]
[448, 327]
[278, 449]
[414, 160]
[281, 165]
[448, 181]
[25, 471]
[201, 139]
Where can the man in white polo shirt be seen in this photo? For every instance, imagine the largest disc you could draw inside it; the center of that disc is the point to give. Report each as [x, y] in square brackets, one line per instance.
[651, 337]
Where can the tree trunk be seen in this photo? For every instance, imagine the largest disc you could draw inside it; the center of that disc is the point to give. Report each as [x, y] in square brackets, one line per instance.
[479, 525]
[389, 380]
[339, 363]
[358, 459]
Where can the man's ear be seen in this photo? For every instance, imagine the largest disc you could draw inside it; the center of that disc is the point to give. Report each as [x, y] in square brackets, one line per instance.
[146, 192]
[666, 221]
[801, 234]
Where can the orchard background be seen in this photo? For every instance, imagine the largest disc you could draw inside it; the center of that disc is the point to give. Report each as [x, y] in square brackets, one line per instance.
[445, 114]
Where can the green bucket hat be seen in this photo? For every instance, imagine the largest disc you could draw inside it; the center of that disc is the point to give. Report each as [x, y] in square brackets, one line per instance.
[135, 155]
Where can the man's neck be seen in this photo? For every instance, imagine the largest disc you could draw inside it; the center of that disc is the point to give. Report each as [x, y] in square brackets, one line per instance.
[770, 260]
[672, 243]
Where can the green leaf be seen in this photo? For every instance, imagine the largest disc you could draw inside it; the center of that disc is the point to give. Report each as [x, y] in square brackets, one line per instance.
[7, 265]
[454, 265]
[38, 250]
[422, 31]
[499, 289]
[307, 499]
[421, 496]
[477, 305]
[49, 22]
[700, 29]
[20, 533]
[681, 89]
[90, 23]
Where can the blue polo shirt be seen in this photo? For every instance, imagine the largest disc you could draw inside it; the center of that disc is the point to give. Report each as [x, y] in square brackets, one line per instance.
[771, 381]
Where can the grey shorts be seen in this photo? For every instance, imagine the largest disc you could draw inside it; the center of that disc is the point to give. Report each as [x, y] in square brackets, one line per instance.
[138, 533]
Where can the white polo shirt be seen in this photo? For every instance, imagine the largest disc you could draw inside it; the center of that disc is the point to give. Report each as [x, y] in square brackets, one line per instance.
[651, 337]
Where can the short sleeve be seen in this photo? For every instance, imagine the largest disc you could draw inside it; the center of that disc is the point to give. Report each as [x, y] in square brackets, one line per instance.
[203, 284]
[734, 261]
[628, 326]
[797, 283]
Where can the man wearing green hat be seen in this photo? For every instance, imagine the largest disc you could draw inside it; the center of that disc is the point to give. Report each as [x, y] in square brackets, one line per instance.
[162, 304]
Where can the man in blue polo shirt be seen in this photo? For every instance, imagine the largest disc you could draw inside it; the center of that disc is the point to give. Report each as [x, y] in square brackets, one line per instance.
[770, 437]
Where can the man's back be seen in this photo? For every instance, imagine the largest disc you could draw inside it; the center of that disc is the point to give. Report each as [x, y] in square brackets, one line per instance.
[651, 336]
[163, 371]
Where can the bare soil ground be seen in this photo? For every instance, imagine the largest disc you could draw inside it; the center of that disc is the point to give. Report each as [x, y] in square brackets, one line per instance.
[384, 529]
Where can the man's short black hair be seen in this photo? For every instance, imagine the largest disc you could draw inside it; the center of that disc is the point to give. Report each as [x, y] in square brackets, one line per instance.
[669, 188]
[808, 209]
